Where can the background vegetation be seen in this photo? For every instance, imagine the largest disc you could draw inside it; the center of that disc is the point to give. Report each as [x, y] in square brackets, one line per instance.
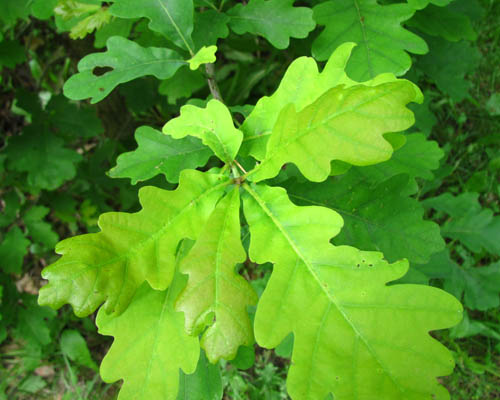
[54, 154]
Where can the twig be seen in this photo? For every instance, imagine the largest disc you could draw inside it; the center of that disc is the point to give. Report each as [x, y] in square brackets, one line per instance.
[212, 84]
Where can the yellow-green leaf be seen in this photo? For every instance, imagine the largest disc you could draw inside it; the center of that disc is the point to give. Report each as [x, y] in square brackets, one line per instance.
[213, 125]
[354, 336]
[345, 124]
[205, 55]
[108, 267]
[150, 346]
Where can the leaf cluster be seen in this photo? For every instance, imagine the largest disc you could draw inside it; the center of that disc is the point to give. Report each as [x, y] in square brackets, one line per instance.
[277, 187]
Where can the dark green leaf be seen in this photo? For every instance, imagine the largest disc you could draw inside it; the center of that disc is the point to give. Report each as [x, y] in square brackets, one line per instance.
[13, 248]
[377, 29]
[160, 154]
[128, 61]
[172, 18]
[276, 20]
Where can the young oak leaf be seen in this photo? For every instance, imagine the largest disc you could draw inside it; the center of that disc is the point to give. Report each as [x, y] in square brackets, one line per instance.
[213, 125]
[276, 20]
[373, 337]
[205, 55]
[382, 40]
[301, 85]
[160, 154]
[108, 267]
[172, 18]
[215, 295]
[150, 346]
[128, 61]
[345, 124]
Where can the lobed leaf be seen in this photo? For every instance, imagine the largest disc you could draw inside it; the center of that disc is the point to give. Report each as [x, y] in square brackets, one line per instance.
[172, 18]
[98, 19]
[383, 42]
[345, 124]
[213, 125]
[445, 22]
[448, 63]
[150, 345]
[205, 55]
[215, 296]
[13, 248]
[353, 335]
[39, 230]
[276, 20]
[209, 26]
[417, 158]
[301, 85]
[478, 286]
[160, 154]
[377, 216]
[476, 227]
[128, 61]
[108, 267]
[43, 157]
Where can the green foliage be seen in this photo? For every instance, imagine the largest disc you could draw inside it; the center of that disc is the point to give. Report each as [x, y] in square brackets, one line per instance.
[419, 4]
[276, 20]
[332, 177]
[149, 359]
[213, 125]
[445, 22]
[74, 347]
[329, 129]
[475, 227]
[48, 169]
[113, 264]
[205, 55]
[131, 248]
[128, 61]
[215, 297]
[376, 215]
[341, 290]
[172, 18]
[479, 287]
[157, 153]
[383, 42]
[13, 249]
[449, 64]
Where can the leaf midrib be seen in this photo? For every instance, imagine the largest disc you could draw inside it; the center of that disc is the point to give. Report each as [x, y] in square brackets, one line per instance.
[176, 27]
